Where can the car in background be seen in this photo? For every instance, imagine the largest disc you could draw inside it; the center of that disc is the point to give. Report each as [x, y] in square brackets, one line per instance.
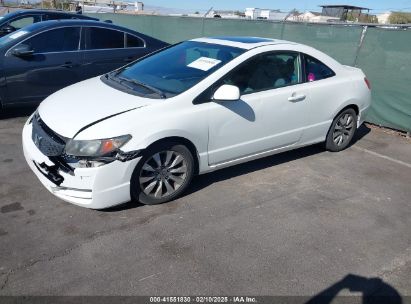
[143, 131]
[16, 20]
[47, 56]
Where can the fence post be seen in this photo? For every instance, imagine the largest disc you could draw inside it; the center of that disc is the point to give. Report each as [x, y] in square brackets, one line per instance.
[357, 53]
[202, 27]
[282, 30]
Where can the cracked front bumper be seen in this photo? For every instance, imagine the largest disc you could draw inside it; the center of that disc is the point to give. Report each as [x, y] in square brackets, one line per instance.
[95, 188]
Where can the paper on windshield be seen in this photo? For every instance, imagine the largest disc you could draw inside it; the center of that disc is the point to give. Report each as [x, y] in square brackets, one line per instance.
[204, 63]
[18, 34]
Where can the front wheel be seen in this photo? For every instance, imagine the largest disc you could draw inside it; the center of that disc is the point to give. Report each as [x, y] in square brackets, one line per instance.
[162, 174]
[341, 131]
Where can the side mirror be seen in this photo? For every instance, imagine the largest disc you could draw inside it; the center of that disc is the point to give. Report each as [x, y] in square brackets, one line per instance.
[227, 92]
[7, 29]
[22, 50]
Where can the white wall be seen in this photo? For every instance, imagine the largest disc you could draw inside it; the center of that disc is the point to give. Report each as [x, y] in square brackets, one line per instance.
[384, 18]
[252, 13]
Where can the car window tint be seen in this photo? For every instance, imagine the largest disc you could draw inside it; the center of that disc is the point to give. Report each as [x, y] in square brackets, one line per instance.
[101, 38]
[316, 70]
[57, 40]
[54, 17]
[133, 41]
[22, 22]
[265, 72]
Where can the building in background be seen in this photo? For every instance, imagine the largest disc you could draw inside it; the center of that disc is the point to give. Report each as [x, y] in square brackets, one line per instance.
[266, 14]
[252, 13]
[102, 6]
[345, 12]
[309, 16]
[138, 6]
[223, 14]
[384, 17]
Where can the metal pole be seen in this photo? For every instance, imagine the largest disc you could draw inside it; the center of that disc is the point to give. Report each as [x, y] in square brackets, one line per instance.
[202, 26]
[282, 30]
[357, 53]
[205, 15]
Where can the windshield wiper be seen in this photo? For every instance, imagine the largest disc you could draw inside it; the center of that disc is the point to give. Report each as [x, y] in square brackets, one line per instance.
[113, 76]
[152, 89]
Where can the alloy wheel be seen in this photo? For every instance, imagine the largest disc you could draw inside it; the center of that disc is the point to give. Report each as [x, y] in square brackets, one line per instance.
[343, 129]
[163, 174]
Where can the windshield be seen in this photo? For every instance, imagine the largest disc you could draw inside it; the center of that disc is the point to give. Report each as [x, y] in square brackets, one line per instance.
[2, 18]
[12, 36]
[178, 68]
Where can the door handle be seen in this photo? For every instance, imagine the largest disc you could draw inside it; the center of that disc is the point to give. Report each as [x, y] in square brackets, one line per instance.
[296, 97]
[128, 59]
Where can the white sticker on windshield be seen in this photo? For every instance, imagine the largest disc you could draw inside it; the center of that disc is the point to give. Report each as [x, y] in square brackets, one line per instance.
[204, 63]
[18, 34]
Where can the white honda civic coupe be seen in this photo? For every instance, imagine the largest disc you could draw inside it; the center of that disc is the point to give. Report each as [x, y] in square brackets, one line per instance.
[142, 132]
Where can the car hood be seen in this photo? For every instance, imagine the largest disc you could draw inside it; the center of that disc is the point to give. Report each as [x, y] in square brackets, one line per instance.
[81, 105]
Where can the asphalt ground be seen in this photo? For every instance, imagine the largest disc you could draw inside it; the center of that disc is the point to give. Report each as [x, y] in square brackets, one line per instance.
[299, 223]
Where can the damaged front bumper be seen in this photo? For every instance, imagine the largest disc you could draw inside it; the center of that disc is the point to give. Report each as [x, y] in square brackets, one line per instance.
[97, 187]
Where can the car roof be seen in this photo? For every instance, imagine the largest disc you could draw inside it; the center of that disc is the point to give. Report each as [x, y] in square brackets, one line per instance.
[243, 42]
[33, 11]
[73, 22]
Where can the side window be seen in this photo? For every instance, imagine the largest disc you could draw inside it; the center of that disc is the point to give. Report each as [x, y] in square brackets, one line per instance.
[316, 70]
[22, 22]
[133, 41]
[266, 72]
[58, 40]
[101, 38]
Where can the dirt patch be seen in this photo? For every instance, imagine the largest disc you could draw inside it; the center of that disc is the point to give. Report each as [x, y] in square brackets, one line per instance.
[11, 207]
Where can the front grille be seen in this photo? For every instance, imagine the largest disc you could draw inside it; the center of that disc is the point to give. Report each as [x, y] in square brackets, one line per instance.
[46, 140]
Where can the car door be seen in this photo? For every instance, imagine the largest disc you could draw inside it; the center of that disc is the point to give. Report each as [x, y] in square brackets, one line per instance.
[54, 64]
[107, 49]
[321, 80]
[271, 113]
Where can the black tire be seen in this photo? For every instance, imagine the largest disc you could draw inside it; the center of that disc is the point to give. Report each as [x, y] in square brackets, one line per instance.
[332, 142]
[136, 188]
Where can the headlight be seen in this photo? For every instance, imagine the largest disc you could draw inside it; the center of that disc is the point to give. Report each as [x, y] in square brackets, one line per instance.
[97, 147]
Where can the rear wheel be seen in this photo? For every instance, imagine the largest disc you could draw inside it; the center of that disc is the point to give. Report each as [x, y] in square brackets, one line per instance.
[163, 173]
[341, 131]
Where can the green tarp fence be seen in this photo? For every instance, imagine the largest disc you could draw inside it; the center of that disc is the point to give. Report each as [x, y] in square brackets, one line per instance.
[384, 55]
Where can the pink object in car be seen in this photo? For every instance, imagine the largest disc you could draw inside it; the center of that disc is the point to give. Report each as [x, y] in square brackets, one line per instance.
[311, 77]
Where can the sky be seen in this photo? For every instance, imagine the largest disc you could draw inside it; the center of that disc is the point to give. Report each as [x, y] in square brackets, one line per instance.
[378, 6]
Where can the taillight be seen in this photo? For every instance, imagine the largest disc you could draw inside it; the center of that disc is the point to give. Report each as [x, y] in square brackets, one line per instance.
[367, 82]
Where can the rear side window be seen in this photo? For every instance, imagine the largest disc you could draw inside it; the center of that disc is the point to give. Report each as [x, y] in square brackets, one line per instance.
[133, 41]
[25, 21]
[54, 17]
[102, 38]
[57, 40]
[316, 70]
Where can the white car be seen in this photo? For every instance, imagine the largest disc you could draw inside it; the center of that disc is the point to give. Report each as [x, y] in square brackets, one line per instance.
[142, 132]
